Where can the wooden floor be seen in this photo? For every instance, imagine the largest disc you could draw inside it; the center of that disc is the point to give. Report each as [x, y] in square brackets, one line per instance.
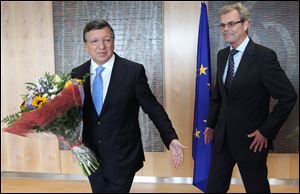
[12, 185]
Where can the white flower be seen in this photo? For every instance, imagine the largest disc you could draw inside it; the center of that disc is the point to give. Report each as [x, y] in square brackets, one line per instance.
[45, 95]
[53, 90]
[57, 79]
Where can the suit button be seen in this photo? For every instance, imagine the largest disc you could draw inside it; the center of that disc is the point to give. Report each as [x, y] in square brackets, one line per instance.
[99, 141]
[98, 122]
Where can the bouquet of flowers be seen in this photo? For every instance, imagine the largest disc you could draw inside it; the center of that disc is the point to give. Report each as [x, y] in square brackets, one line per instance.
[53, 105]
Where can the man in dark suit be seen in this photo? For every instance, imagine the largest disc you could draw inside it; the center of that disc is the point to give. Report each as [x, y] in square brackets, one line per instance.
[239, 121]
[116, 89]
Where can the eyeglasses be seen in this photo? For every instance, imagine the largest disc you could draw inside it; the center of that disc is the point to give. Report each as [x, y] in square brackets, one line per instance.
[105, 41]
[229, 25]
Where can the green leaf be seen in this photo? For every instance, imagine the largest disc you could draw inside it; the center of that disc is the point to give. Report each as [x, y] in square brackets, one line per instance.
[11, 119]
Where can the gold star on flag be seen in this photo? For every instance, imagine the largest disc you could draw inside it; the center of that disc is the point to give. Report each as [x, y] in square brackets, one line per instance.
[202, 70]
[197, 133]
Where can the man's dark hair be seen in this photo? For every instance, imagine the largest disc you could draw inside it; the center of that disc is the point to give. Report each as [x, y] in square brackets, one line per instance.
[97, 25]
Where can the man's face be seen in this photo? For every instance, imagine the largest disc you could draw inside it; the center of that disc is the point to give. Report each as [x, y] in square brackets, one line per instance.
[233, 30]
[100, 45]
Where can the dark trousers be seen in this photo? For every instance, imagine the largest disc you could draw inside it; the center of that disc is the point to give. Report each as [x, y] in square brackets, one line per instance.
[252, 167]
[102, 184]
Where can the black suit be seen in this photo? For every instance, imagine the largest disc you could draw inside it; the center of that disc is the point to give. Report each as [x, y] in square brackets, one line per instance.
[115, 135]
[242, 111]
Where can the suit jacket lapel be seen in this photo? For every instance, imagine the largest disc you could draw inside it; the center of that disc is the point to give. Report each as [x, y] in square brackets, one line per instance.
[243, 66]
[116, 79]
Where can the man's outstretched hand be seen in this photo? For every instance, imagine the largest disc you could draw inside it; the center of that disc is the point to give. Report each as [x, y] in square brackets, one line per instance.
[176, 149]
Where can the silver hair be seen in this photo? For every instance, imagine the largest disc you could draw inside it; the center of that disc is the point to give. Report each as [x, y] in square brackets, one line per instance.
[243, 11]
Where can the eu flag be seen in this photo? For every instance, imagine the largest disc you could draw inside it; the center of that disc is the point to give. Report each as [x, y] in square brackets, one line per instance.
[202, 152]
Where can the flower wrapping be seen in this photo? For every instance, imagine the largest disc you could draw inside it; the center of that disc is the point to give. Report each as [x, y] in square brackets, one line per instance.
[59, 114]
[88, 162]
[64, 101]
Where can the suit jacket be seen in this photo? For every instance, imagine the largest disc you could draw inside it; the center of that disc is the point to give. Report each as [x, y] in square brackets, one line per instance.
[115, 135]
[246, 107]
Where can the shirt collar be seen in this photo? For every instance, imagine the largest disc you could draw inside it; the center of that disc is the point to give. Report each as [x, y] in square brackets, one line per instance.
[108, 65]
[242, 46]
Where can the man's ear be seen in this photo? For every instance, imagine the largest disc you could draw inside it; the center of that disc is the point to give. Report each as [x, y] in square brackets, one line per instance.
[246, 25]
[85, 46]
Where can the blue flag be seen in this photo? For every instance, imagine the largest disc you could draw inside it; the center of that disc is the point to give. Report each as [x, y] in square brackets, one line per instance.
[202, 152]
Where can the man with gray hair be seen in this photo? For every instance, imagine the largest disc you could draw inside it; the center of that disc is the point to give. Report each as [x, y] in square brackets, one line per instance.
[239, 121]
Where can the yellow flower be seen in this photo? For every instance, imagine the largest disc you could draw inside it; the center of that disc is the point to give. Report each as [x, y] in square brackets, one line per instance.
[39, 101]
[68, 83]
[80, 81]
[73, 81]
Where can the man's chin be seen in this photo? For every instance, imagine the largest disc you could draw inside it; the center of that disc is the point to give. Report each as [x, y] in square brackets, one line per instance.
[228, 38]
[229, 41]
[101, 60]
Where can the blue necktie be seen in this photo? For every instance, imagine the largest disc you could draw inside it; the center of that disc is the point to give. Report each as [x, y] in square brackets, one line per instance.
[230, 70]
[98, 90]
